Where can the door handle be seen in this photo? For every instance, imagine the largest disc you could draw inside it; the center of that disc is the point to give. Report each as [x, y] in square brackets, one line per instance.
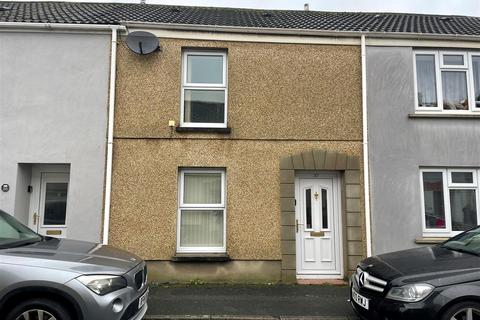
[35, 217]
[296, 224]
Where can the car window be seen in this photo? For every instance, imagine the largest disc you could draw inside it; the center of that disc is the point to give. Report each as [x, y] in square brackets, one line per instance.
[468, 241]
[13, 233]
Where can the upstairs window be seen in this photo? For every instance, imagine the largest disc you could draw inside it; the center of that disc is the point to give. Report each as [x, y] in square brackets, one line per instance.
[204, 89]
[447, 81]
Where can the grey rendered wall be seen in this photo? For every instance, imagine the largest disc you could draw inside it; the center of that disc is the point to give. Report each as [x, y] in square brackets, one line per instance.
[400, 145]
[22, 197]
[53, 109]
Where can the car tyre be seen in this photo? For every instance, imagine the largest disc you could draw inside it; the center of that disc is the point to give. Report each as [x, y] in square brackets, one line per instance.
[38, 306]
[457, 310]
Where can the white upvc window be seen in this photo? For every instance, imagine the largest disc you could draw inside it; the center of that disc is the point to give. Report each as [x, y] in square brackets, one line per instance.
[449, 200]
[201, 214]
[447, 81]
[204, 89]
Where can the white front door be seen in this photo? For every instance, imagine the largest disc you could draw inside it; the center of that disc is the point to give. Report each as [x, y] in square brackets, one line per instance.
[48, 205]
[318, 220]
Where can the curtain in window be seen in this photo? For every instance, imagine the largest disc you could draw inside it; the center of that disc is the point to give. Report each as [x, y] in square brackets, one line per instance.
[426, 87]
[464, 209]
[201, 228]
[476, 79]
[202, 188]
[454, 86]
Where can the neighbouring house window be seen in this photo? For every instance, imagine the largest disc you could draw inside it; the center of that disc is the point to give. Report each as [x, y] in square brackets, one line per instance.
[476, 79]
[204, 89]
[447, 81]
[449, 200]
[426, 87]
[201, 226]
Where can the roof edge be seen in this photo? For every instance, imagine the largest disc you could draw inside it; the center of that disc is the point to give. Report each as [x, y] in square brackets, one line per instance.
[299, 32]
[60, 26]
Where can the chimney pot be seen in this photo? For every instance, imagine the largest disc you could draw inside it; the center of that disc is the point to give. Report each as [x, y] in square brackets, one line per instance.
[306, 7]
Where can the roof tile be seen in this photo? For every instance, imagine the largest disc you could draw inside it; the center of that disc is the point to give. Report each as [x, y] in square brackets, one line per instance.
[116, 13]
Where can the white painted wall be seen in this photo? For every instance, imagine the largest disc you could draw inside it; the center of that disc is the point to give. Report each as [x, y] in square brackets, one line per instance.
[53, 109]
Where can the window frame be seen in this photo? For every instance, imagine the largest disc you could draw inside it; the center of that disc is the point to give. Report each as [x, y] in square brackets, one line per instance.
[438, 81]
[454, 66]
[201, 207]
[462, 185]
[447, 186]
[440, 67]
[203, 86]
[472, 81]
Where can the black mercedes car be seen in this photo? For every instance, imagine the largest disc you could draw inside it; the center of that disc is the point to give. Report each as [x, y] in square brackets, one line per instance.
[439, 282]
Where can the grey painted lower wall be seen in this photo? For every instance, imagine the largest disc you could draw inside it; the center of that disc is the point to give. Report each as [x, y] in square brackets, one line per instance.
[53, 110]
[238, 271]
[400, 145]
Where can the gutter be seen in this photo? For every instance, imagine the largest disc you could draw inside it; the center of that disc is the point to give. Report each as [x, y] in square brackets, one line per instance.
[298, 32]
[59, 26]
[366, 171]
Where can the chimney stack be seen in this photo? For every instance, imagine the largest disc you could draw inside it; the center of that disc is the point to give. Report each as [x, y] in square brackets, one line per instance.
[306, 7]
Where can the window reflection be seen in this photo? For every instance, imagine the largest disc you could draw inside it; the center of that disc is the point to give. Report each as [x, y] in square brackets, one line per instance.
[55, 203]
[463, 208]
[308, 208]
[433, 200]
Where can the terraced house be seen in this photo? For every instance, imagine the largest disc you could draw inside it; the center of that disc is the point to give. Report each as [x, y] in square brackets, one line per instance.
[237, 150]
[423, 103]
[54, 89]
[237, 154]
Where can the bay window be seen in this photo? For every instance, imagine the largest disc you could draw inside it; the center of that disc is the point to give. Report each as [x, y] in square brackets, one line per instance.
[201, 217]
[450, 203]
[447, 81]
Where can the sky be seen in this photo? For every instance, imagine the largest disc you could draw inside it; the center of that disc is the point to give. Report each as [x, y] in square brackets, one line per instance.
[453, 7]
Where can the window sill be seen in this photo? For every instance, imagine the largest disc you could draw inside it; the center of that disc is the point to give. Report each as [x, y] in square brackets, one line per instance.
[430, 240]
[445, 115]
[203, 130]
[201, 257]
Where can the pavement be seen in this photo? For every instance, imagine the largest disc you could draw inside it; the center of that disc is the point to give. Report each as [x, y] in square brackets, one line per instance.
[249, 302]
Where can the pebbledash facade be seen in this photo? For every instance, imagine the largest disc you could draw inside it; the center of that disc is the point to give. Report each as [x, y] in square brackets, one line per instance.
[260, 177]
[239, 148]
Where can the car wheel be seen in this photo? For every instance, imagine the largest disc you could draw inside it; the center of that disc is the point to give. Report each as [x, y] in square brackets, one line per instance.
[39, 309]
[468, 310]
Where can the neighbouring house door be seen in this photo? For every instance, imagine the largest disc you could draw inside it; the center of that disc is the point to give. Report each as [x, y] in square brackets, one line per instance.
[49, 203]
[317, 227]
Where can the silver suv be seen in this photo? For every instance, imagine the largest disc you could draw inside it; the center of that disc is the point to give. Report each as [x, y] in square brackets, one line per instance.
[43, 278]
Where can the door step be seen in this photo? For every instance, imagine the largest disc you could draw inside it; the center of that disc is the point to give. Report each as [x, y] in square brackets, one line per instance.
[332, 282]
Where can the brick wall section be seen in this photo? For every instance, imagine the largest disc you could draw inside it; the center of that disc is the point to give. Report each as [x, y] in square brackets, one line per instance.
[351, 217]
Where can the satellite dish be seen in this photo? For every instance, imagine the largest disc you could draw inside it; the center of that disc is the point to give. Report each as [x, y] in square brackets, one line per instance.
[142, 42]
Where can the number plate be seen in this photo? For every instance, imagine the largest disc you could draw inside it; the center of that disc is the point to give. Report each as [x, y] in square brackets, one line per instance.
[142, 300]
[360, 300]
